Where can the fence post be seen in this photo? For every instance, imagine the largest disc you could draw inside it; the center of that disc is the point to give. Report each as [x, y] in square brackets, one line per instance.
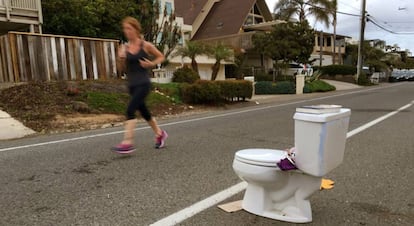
[300, 83]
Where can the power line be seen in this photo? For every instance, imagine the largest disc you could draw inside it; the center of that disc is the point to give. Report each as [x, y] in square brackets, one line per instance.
[374, 21]
[338, 12]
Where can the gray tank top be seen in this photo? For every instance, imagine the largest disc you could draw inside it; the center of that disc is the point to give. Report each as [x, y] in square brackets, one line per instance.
[137, 75]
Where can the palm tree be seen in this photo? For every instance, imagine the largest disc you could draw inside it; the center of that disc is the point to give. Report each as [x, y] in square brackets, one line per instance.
[288, 9]
[191, 50]
[220, 52]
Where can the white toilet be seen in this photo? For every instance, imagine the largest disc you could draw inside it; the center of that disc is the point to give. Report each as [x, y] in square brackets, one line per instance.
[284, 195]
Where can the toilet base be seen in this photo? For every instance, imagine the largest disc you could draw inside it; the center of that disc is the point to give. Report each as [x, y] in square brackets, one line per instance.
[281, 216]
[289, 204]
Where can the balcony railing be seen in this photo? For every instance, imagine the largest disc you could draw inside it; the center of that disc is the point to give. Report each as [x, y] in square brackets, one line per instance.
[20, 4]
[240, 41]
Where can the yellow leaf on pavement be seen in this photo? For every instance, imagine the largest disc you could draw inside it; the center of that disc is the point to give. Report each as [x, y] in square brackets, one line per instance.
[327, 184]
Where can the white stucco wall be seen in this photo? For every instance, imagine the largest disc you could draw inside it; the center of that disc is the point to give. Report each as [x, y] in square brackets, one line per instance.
[326, 60]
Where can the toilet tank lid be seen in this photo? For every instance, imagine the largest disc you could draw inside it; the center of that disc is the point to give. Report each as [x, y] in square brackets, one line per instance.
[344, 112]
[261, 155]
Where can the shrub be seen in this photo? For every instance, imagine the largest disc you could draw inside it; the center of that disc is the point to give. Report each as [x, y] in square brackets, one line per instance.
[172, 90]
[363, 80]
[307, 88]
[239, 89]
[263, 77]
[201, 92]
[185, 75]
[333, 70]
[318, 86]
[285, 87]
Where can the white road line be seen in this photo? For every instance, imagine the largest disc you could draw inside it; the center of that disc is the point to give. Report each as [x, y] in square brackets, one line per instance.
[192, 210]
[215, 199]
[191, 120]
[378, 120]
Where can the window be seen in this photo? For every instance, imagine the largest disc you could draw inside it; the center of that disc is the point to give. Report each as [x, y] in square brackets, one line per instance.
[168, 7]
[329, 41]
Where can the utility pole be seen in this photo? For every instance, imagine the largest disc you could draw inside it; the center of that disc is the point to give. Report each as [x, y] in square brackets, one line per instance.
[321, 45]
[334, 39]
[361, 39]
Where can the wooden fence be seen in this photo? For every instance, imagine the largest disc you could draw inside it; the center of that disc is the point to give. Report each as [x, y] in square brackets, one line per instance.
[30, 57]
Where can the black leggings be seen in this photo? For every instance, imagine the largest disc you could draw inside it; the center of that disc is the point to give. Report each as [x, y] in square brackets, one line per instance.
[137, 102]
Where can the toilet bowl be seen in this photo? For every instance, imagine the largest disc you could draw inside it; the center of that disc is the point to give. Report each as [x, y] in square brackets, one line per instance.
[271, 192]
[284, 195]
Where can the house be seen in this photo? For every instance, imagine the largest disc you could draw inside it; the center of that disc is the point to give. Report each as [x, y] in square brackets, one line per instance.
[20, 16]
[324, 48]
[223, 21]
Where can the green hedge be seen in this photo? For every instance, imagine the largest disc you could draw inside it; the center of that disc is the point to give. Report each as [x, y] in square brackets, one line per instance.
[285, 87]
[208, 92]
[185, 75]
[318, 86]
[263, 77]
[333, 70]
[239, 89]
[201, 92]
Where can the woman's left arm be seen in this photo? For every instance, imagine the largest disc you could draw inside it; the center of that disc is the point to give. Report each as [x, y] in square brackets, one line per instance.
[153, 51]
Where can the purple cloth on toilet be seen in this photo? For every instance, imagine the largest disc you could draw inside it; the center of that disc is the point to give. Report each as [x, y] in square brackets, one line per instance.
[285, 165]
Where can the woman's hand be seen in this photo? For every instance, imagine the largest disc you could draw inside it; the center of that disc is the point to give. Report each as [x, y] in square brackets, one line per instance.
[145, 63]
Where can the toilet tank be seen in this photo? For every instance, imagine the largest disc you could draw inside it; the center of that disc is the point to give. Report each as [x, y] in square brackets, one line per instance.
[320, 141]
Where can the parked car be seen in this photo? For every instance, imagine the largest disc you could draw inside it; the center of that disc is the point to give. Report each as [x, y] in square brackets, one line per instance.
[296, 69]
[402, 75]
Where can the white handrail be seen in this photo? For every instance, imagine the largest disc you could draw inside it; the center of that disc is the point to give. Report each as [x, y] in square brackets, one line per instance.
[20, 4]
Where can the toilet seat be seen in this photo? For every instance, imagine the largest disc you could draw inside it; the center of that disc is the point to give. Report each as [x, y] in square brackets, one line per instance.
[261, 157]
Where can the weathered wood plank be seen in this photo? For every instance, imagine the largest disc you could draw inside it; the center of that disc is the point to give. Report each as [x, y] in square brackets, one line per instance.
[77, 59]
[8, 59]
[2, 59]
[62, 59]
[14, 53]
[94, 60]
[113, 59]
[106, 60]
[54, 59]
[83, 60]
[21, 59]
[46, 54]
[27, 67]
[71, 60]
[32, 58]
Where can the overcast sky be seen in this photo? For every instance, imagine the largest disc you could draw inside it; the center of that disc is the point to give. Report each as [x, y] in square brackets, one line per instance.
[395, 15]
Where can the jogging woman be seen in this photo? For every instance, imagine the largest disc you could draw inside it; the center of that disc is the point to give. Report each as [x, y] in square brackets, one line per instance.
[135, 56]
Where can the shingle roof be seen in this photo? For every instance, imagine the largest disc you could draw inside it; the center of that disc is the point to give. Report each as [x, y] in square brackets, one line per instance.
[189, 9]
[226, 17]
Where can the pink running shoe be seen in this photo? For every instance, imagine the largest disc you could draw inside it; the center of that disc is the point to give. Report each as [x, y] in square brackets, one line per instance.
[160, 140]
[123, 149]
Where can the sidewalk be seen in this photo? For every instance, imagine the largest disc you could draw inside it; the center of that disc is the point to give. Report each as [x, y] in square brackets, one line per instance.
[11, 128]
[342, 85]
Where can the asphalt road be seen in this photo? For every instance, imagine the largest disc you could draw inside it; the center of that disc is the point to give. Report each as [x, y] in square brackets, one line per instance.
[80, 182]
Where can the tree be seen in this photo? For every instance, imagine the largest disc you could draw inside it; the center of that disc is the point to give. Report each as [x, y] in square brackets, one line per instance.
[102, 18]
[320, 9]
[287, 42]
[373, 57]
[163, 30]
[219, 52]
[192, 49]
